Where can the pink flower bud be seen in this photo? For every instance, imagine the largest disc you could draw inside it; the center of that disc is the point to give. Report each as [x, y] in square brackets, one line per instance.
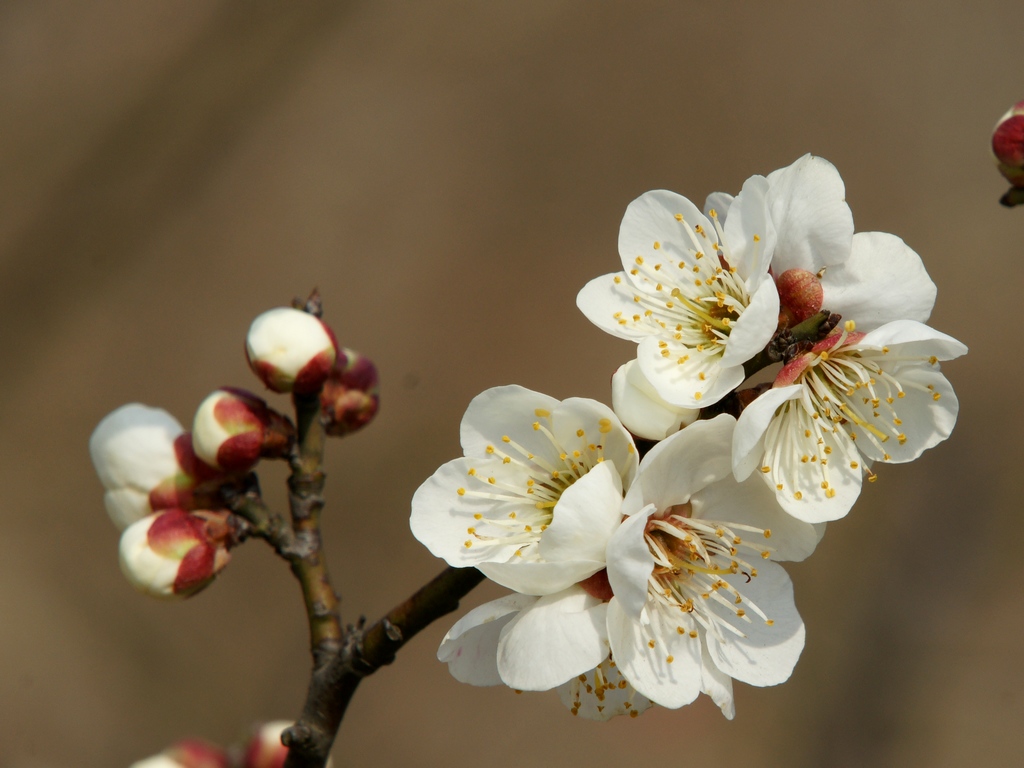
[187, 754]
[290, 350]
[174, 553]
[145, 463]
[351, 396]
[1008, 145]
[234, 428]
[265, 749]
[800, 295]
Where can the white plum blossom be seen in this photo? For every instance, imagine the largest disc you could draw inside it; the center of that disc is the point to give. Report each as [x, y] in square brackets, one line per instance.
[537, 495]
[641, 409]
[699, 599]
[852, 399]
[694, 293]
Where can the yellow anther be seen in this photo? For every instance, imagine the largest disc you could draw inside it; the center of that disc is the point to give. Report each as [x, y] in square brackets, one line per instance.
[541, 413]
[605, 426]
[506, 439]
[478, 516]
[657, 245]
[766, 470]
[472, 472]
[617, 279]
[468, 544]
[697, 395]
[461, 491]
[850, 326]
[639, 259]
[767, 533]
[798, 495]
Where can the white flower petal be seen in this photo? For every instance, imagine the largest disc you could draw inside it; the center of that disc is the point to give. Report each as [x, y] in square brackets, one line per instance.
[471, 646]
[442, 516]
[531, 577]
[755, 327]
[720, 203]
[765, 654]
[641, 409]
[607, 302]
[750, 233]
[814, 224]
[630, 562]
[651, 219]
[915, 339]
[585, 516]
[748, 438]
[883, 280]
[688, 461]
[752, 503]
[715, 683]
[682, 384]
[927, 420]
[502, 411]
[661, 659]
[557, 638]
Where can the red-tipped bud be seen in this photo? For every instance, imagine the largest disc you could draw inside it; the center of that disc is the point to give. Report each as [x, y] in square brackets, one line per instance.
[265, 749]
[351, 396]
[800, 296]
[233, 429]
[1008, 145]
[290, 350]
[187, 754]
[175, 553]
[146, 463]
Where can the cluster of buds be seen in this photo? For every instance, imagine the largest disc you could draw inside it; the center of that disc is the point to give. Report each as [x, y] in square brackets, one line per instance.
[165, 487]
[1008, 151]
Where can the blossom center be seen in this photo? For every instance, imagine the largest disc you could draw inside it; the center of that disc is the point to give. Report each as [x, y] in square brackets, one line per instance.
[692, 557]
[849, 393]
[691, 296]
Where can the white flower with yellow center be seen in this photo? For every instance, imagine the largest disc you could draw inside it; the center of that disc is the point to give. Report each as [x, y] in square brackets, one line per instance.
[694, 294]
[698, 597]
[537, 495]
[854, 398]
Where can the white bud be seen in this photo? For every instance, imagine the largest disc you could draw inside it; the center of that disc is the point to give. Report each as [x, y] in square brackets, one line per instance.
[133, 452]
[642, 410]
[290, 350]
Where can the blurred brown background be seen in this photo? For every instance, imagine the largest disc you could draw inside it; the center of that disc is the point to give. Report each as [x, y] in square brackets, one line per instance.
[450, 174]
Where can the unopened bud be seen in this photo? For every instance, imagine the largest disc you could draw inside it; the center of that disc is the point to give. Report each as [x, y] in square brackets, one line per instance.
[187, 754]
[800, 295]
[233, 429]
[642, 410]
[1008, 145]
[174, 553]
[351, 396]
[265, 749]
[290, 350]
[145, 463]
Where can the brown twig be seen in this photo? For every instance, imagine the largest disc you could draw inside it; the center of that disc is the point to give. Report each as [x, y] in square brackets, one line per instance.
[363, 653]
